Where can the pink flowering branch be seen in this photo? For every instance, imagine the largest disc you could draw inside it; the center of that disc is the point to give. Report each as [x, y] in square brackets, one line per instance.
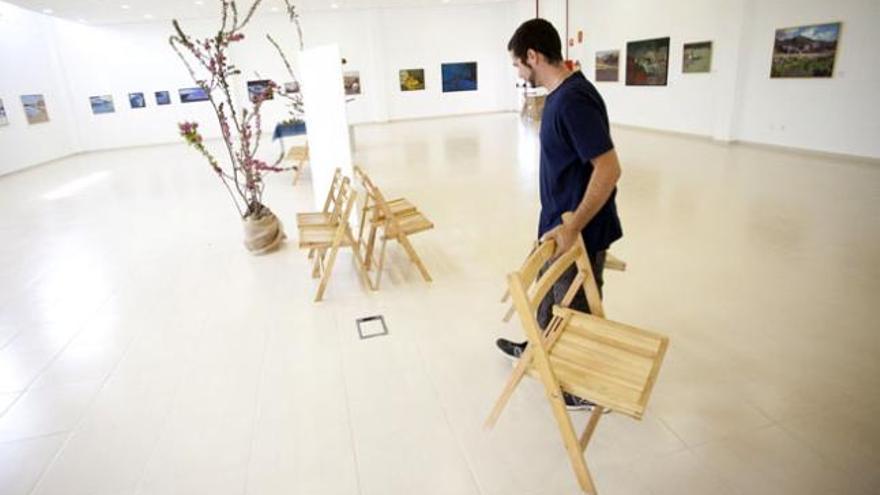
[209, 66]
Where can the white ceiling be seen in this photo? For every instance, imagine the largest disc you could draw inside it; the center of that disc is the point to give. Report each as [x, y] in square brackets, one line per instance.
[125, 11]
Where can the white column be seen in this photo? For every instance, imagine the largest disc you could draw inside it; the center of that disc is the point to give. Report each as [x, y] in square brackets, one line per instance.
[326, 121]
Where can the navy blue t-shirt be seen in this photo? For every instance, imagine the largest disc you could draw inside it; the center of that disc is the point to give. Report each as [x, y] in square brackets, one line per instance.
[574, 130]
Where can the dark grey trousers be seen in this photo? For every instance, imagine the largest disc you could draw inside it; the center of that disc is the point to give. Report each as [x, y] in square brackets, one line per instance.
[557, 293]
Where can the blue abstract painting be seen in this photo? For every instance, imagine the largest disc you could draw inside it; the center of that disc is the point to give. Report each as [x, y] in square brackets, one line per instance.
[137, 100]
[163, 98]
[189, 95]
[102, 104]
[459, 77]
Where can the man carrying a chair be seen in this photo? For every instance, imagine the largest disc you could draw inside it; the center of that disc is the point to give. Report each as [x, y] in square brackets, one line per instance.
[579, 168]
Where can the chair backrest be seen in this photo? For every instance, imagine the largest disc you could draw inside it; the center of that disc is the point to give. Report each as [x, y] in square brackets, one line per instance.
[537, 283]
[334, 189]
[341, 201]
[374, 198]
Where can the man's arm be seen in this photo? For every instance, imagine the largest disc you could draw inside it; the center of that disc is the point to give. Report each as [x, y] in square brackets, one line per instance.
[606, 172]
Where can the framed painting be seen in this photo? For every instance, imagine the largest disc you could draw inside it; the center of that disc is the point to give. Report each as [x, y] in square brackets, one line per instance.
[351, 80]
[102, 104]
[190, 95]
[35, 108]
[696, 57]
[647, 62]
[412, 79]
[608, 65]
[805, 51]
[4, 120]
[459, 76]
[261, 89]
[137, 100]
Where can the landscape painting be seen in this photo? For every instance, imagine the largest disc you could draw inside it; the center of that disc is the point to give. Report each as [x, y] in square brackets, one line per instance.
[163, 98]
[608, 65]
[137, 100]
[102, 104]
[412, 79]
[805, 51]
[190, 95]
[35, 108]
[459, 76]
[697, 57]
[647, 62]
[352, 82]
[260, 89]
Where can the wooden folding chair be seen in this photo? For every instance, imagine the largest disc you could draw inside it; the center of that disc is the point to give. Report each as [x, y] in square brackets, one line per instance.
[611, 364]
[299, 155]
[611, 263]
[372, 216]
[323, 217]
[397, 225]
[325, 239]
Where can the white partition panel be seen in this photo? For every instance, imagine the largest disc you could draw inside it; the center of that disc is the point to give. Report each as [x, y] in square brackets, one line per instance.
[326, 120]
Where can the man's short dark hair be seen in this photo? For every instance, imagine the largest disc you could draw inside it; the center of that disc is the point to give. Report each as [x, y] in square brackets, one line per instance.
[539, 35]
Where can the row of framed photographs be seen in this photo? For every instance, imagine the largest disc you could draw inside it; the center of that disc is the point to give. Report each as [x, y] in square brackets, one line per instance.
[455, 77]
[798, 52]
[104, 103]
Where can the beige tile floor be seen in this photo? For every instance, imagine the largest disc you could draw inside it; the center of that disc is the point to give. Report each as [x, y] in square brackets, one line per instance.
[143, 351]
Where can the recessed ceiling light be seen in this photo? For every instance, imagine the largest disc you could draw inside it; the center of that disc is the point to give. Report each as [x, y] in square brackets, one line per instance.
[125, 6]
[200, 2]
[148, 16]
[274, 9]
[48, 11]
[334, 5]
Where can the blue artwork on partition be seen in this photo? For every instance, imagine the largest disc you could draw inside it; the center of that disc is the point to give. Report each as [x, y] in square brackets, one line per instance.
[189, 95]
[102, 104]
[137, 100]
[459, 77]
[163, 98]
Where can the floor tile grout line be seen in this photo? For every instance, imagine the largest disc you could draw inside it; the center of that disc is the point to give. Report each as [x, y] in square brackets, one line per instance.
[462, 451]
[85, 413]
[161, 429]
[54, 358]
[257, 411]
[340, 334]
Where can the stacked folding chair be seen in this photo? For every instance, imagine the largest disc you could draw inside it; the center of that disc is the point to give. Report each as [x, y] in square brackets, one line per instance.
[611, 364]
[324, 233]
[386, 220]
[299, 156]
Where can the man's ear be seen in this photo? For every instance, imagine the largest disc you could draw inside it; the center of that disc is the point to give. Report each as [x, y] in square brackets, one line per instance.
[531, 57]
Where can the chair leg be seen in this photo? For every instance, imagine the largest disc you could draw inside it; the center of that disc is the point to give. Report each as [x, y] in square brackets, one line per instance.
[328, 268]
[517, 375]
[591, 427]
[512, 382]
[380, 267]
[371, 244]
[359, 263]
[570, 439]
[404, 241]
[316, 266]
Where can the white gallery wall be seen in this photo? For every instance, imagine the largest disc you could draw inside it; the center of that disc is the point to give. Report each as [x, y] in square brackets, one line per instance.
[69, 62]
[29, 64]
[737, 100]
[119, 59]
